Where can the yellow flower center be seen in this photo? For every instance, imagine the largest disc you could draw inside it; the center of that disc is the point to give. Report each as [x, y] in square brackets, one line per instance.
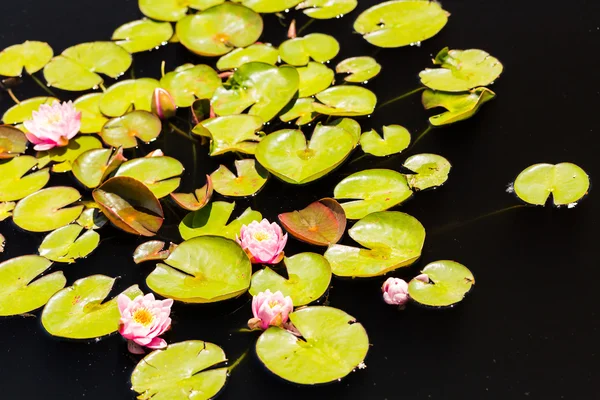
[260, 236]
[54, 118]
[143, 316]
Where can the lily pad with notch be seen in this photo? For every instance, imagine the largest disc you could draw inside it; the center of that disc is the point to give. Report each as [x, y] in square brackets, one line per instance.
[15, 181]
[30, 56]
[359, 69]
[159, 174]
[460, 106]
[321, 223]
[46, 210]
[190, 82]
[64, 157]
[316, 46]
[6, 209]
[314, 78]
[128, 95]
[395, 139]
[346, 100]
[257, 52]
[92, 119]
[238, 133]
[195, 201]
[327, 9]
[250, 179]
[302, 112]
[23, 111]
[448, 284]
[430, 170]
[126, 130]
[94, 166]
[66, 244]
[152, 250]
[566, 182]
[12, 142]
[173, 10]
[91, 217]
[142, 35]
[351, 126]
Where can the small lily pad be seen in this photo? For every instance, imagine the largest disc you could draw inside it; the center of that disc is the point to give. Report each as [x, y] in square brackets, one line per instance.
[567, 183]
[142, 35]
[127, 95]
[159, 174]
[46, 210]
[327, 9]
[460, 106]
[124, 131]
[359, 69]
[15, 183]
[23, 111]
[231, 133]
[190, 82]
[91, 217]
[212, 220]
[448, 283]
[346, 100]
[302, 112]
[258, 52]
[173, 10]
[314, 78]
[92, 119]
[94, 166]
[322, 223]
[430, 171]
[269, 6]
[6, 209]
[30, 55]
[64, 157]
[317, 46]
[78, 311]
[249, 180]
[395, 139]
[12, 142]
[195, 201]
[66, 245]
[151, 251]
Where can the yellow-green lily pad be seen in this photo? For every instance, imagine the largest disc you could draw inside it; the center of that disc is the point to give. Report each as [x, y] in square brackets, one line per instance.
[195, 201]
[302, 112]
[447, 285]
[231, 133]
[64, 157]
[91, 217]
[430, 170]
[351, 126]
[152, 250]
[359, 69]
[269, 6]
[346, 100]
[173, 10]
[94, 166]
[314, 78]
[327, 9]
[259, 52]
[126, 130]
[567, 183]
[23, 111]
[16, 183]
[212, 220]
[460, 106]
[6, 209]
[249, 181]
[30, 55]
[66, 245]
[127, 95]
[12, 142]
[142, 35]
[190, 82]
[159, 174]
[92, 119]
[46, 210]
[395, 139]
[316, 46]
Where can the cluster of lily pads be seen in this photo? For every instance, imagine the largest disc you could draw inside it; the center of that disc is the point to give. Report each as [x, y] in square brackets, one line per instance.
[254, 84]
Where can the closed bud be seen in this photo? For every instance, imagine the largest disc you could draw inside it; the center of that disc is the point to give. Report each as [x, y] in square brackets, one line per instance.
[163, 104]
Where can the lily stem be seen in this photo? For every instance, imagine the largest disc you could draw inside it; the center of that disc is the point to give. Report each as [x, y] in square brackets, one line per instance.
[456, 225]
[421, 135]
[402, 96]
[306, 25]
[238, 361]
[180, 132]
[41, 84]
[12, 96]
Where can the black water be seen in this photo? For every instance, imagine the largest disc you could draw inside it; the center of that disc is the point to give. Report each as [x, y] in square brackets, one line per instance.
[530, 328]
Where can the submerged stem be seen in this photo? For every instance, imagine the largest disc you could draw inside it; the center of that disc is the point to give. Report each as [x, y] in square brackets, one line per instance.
[306, 25]
[41, 84]
[457, 225]
[12, 96]
[417, 90]
[238, 361]
[180, 132]
[421, 135]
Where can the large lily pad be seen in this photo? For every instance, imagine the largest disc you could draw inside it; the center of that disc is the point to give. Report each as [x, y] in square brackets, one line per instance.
[302, 112]
[126, 130]
[195, 201]
[448, 283]
[249, 180]
[46, 210]
[64, 157]
[94, 166]
[430, 171]
[401, 22]
[190, 82]
[92, 119]
[259, 52]
[392, 240]
[567, 183]
[322, 223]
[317, 46]
[15, 183]
[269, 6]
[66, 245]
[30, 55]
[395, 139]
[78, 311]
[460, 106]
[314, 78]
[212, 220]
[204, 269]
[173, 10]
[346, 100]
[332, 345]
[359, 69]
[18, 294]
[231, 133]
[159, 174]
[185, 370]
[23, 111]
[12, 142]
[351, 126]
[127, 95]
[142, 35]
[327, 9]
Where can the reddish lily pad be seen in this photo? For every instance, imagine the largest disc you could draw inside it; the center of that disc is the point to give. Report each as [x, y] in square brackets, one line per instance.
[212, 220]
[195, 201]
[124, 131]
[152, 250]
[94, 166]
[47, 209]
[190, 82]
[12, 142]
[249, 181]
[322, 223]
[159, 174]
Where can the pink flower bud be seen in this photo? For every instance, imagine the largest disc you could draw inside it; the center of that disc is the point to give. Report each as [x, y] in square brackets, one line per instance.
[262, 241]
[423, 278]
[53, 126]
[270, 309]
[155, 153]
[163, 104]
[395, 291]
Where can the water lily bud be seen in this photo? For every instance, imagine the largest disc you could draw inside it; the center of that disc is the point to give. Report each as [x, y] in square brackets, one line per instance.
[423, 278]
[263, 242]
[270, 309]
[53, 126]
[143, 319]
[395, 291]
[163, 104]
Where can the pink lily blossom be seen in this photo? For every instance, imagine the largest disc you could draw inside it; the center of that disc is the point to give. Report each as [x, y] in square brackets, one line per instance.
[270, 309]
[395, 291]
[53, 125]
[263, 242]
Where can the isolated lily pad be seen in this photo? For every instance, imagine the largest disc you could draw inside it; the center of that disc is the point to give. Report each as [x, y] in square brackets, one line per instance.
[173, 10]
[15, 183]
[212, 220]
[190, 82]
[322, 223]
[332, 345]
[128, 95]
[302, 112]
[159, 174]
[92, 119]
[78, 67]
[309, 277]
[12, 142]
[314, 78]
[126, 130]
[269, 6]
[197, 200]
[151, 251]
[6, 209]
[259, 52]
[395, 139]
[359, 69]
[401, 22]
[78, 311]
[30, 55]
[23, 111]
[448, 283]
[18, 294]
[250, 179]
[46, 210]
[94, 166]
[460, 106]
[185, 370]
[231, 133]
[392, 240]
[430, 171]
[203, 270]
[66, 245]
[327, 9]
[142, 35]
[346, 100]
[461, 70]
[317, 46]
[63, 157]
[567, 183]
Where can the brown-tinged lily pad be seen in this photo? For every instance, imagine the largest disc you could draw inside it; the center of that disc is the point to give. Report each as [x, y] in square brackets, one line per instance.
[126, 130]
[190, 82]
[231, 133]
[152, 250]
[46, 210]
[16, 182]
[316, 46]
[159, 174]
[30, 56]
[12, 142]
[23, 111]
[197, 200]
[346, 100]
[67, 244]
[260, 52]
[94, 166]
[322, 223]
[64, 157]
[460, 106]
[128, 95]
[250, 179]
[395, 139]
[212, 220]
[142, 35]
[92, 119]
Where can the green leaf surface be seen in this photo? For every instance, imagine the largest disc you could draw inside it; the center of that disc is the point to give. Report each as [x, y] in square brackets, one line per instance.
[173, 10]
[460, 106]
[190, 82]
[567, 183]
[94, 166]
[46, 210]
[195, 201]
[66, 245]
[212, 220]
[30, 55]
[12, 142]
[316, 46]
[23, 111]
[257, 52]
[64, 157]
[249, 180]
[301, 112]
[142, 35]
[359, 69]
[314, 78]
[448, 283]
[15, 181]
[92, 119]
[346, 100]
[91, 217]
[127, 95]
[159, 174]
[327, 9]
[321, 223]
[430, 170]
[151, 251]
[236, 133]
[6, 209]
[395, 139]
[351, 126]
[269, 6]
[126, 130]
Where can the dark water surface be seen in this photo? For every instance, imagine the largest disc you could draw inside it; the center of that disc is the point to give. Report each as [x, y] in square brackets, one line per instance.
[529, 330]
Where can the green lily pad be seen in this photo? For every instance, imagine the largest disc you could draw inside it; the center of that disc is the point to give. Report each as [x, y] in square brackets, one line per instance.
[92, 119]
[12, 142]
[64, 157]
[257, 52]
[377, 189]
[460, 106]
[290, 157]
[185, 370]
[346, 100]
[30, 55]
[126, 130]
[195, 201]
[65, 245]
[317, 46]
[351, 126]
[309, 277]
[212, 220]
[190, 82]
[359, 69]
[23, 111]
[152, 250]
[78, 311]
[6, 209]
[430, 171]
[231, 133]
[78, 67]
[395, 139]
[159, 174]
[91, 217]
[461, 70]
[322, 223]
[130, 205]
[45, 210]
[269, 6]
[401, 22]
[15, 183]
[18, 294]
[448, 283]
[173, 10]
[314, 78]
[302, 112]
[94, 166]
[218, 30]
[204, 269]
[129, 94]
[332, 345]
[392, 240]
[249, 181]
[567, 183]
[142, 35]
[327, 9]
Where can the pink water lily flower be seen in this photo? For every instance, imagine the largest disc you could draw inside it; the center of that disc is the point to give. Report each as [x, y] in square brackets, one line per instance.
[262, 241]
[270, 309]
[143, 320]
[53, 126]
[395, 291]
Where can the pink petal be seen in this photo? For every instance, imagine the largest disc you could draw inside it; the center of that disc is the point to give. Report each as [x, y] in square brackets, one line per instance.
[157, 343]
[135, 348]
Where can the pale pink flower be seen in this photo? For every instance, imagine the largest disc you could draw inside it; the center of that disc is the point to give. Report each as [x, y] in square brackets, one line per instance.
[163, 104]
[395, 291]
[270, 309]
[262, 241]
[143, 320]
[423, 278]
[53, 126]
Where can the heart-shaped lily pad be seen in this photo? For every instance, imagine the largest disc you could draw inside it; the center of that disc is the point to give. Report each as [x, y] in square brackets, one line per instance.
[159, 174]
[30, 55]
[46, 210]
[290, 157]
[314, 78]
[18, 294]
[151, 251]
[259, 52]
[142, 35]
[359, 69]
[346, 100]
[65, 245]
[173, 10]
[395, 139]
[204, 269]
[249, 180]
[327, 9]
[448, 283]
[92, 119]
[217, 30]
[23, 111]
[317, 46]
[124, 131]
[78, 311]
[302, 112]
[94, 166]
[77, 68]
[309, 276]
[231, 133]
[190, 82]
[6, 209]
[64, 157]
[15, 184]
[212, 220]
[12, 142]
[185, 370]
[322, 223]
[393, 240]
[377, 189]
[351, 126]
[127, 95]
[197, 200]
[430, 171]
[461, 70]
[332, 345]
[401, 22]
[269, 6]
[460, 106]
[567, 183]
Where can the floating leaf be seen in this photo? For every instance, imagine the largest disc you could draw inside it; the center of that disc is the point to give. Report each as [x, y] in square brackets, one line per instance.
[314, 78]
[64, 157]
[152, 250]
[249, 180]
[6, 209]
[124, 131]
[94, 166]
[92, 119]
[77, 68]
[204, 269]
[401, 22]
[12, 142]
[15, 184]
[212, 220]
[65, 245]
[18, 294]
[395, 139]
[317, 46]
[393, 240]
[159, 174]
[359, 69]
[91, 217]
[77, 312]
[231, 133]
[346, 100]
[45, 210]
[257, 52]
[461, 70]
[185, 370]
[332, 345]
[302, 112]
[321, 223]
[430, 171]
[30, 55]
[460, 106]
[350, 126]
[327, 9]
[448, 283]
[567, 183]
[269, 6]
[197, 200]
[142, 35]
[173, 10]
[129, 94]
[190, 82]
[23, 111]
